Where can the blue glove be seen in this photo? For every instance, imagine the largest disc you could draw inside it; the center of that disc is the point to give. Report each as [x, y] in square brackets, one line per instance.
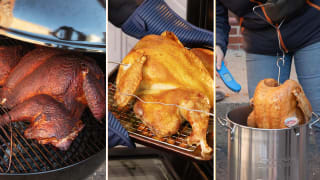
[117, 135]
[155, 17]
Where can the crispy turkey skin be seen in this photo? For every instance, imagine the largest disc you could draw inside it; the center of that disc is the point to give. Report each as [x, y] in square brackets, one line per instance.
[274, 104]
[161, 69]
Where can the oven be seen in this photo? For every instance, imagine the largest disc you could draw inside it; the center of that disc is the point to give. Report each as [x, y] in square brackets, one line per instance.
[164, 158]
[77, 27]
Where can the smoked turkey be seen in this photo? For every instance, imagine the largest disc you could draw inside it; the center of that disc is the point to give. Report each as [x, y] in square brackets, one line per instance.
[51, 88]
[9, 58]
[274, 105]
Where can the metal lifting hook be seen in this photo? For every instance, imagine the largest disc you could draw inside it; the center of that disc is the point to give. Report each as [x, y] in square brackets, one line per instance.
[278, 65]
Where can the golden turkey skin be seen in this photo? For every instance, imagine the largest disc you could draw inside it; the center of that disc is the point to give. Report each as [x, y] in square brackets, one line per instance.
[161, 69]
[274, 105]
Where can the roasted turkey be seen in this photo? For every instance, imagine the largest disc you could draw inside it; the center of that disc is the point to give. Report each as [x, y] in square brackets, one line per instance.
[161, 69]
[274, 106]
[51, 88]
[206, 57]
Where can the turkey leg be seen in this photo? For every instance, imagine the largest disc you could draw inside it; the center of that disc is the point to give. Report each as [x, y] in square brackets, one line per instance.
[165, 120]
[198, 120]
[50, 122]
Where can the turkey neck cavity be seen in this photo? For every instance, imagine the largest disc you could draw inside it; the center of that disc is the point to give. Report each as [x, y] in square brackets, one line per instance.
[271, 83]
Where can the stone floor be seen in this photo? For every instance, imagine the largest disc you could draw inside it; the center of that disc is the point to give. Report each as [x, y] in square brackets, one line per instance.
[100, 173]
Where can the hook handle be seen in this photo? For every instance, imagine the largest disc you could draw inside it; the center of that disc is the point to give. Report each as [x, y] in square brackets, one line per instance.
[314, 122]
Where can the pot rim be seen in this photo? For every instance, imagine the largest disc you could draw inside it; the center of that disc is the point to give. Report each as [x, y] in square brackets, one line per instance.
[264, 129]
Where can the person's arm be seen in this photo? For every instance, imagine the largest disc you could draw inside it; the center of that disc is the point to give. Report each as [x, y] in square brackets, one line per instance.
[155, 17]
[222, 32]
[120, 10]
[117, 135]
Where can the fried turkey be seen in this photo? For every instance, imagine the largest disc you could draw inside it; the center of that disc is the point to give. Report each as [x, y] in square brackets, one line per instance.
[274, 104]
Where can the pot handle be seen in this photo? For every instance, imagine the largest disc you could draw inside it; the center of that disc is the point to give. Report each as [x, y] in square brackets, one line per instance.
[314, 122]
[224, 123]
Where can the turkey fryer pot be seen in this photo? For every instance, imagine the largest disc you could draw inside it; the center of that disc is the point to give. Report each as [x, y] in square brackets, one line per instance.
[255, 153]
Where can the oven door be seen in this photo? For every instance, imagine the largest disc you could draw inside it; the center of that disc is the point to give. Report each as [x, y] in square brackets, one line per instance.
[148, 163]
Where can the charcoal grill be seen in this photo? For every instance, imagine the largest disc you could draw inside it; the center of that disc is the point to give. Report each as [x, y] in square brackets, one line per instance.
[31, 160]
[142, 134]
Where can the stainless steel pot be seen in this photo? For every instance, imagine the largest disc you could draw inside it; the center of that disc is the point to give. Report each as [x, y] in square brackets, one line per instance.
[270, 154]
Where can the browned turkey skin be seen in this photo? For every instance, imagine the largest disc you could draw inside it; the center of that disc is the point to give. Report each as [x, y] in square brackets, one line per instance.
[9, 58]
[51, 88]
[50, 121]
[160, 69]
[273, 104]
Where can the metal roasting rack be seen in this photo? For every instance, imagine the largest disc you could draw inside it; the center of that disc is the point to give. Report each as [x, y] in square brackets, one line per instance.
[137, 128]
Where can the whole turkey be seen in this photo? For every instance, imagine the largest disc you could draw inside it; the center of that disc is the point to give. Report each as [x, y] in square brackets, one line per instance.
[50, 88]
[274, 105]
[160, 69]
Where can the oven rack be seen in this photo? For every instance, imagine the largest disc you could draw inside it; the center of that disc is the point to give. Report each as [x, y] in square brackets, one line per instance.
[136, 128]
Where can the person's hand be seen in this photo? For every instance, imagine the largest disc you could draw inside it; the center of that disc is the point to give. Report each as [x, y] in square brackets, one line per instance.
[219, 57]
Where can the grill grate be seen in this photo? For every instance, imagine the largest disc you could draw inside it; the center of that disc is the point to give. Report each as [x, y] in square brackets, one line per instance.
[30, 157]
[135, 126]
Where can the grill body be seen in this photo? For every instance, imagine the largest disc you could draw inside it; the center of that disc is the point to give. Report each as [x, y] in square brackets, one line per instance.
[79, 170]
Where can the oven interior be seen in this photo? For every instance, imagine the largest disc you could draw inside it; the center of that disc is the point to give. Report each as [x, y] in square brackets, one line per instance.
[200, 13]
